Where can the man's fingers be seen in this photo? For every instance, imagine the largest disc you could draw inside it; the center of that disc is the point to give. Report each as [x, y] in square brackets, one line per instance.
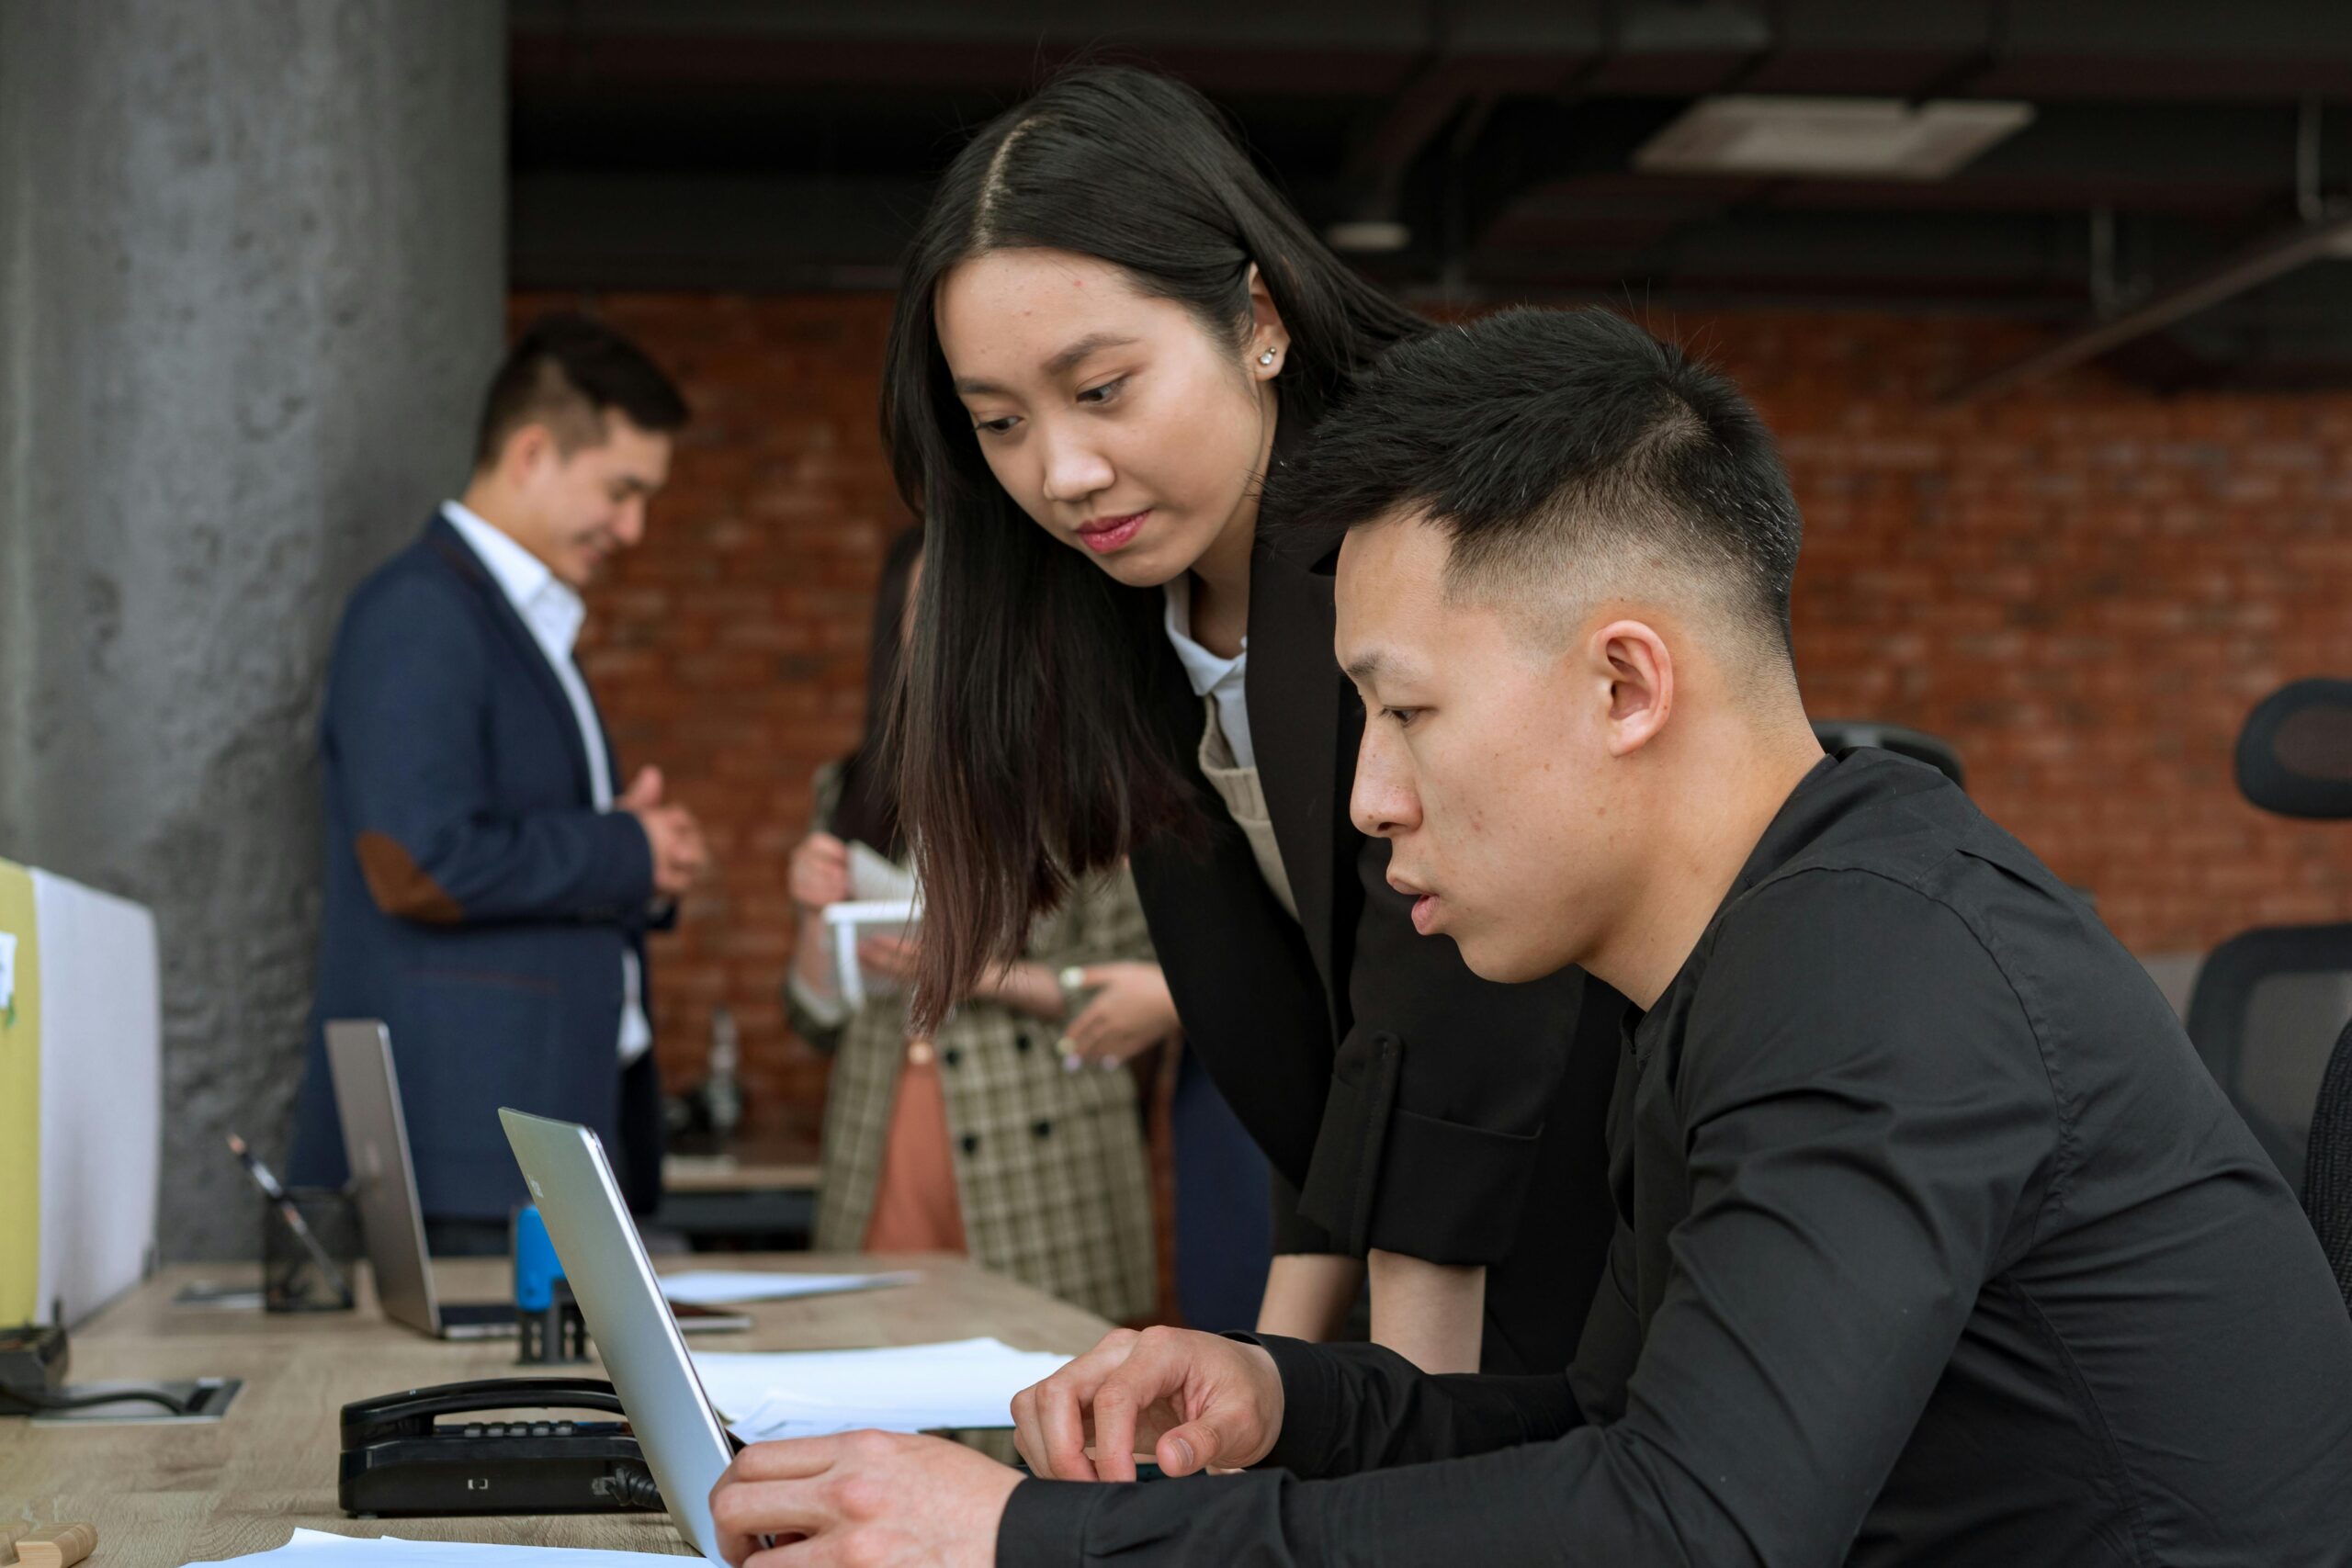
[1056, 1409]
[1026, 1437]
[795, 1550]
[1141, 1381]
[1114, 1433]
[1061, 1420]
[1154, 1372]
[1186, 1449]
[644, 791]
[787, 1510]
[788, 1459]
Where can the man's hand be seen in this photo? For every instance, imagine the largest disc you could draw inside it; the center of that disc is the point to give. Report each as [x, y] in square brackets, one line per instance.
[644, 792]
[1131, 1011]
[875, 1499]
[1194, 1399]
[680, 857]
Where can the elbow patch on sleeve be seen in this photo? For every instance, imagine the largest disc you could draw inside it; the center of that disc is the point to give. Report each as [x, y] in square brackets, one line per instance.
[400, 886]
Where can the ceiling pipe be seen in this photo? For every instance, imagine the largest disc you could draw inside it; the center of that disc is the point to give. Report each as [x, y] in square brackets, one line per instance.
[2249, 269]
[2326, 231]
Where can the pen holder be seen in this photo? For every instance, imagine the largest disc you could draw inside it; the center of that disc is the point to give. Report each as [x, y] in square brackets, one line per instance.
[556, 1335]
[292, 1280]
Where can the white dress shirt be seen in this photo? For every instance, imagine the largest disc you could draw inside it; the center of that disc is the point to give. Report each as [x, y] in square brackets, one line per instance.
[1211, 676]
[554, 613]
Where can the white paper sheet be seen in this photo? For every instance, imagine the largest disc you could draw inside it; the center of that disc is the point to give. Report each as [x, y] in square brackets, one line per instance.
[905, 1388]
[716, 1287]
[848, 924]
[323, 1549]
[874, 878]
[883, 901]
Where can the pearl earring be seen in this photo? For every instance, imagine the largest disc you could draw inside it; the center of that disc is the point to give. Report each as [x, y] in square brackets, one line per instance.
[1267, 357]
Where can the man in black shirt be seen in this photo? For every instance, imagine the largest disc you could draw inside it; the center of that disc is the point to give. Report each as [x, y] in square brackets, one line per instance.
[1936, 1245]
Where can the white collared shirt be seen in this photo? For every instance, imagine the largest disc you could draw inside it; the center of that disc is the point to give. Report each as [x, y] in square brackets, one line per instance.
[555, 614]
[1212, 676]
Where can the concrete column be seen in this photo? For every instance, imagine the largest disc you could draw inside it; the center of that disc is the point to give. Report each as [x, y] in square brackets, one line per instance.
[252, 269]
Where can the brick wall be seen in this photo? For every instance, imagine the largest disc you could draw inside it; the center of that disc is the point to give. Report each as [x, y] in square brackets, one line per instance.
[2083, 586]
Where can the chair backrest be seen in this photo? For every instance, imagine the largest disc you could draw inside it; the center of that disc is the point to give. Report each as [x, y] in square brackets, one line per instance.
[2327, 1173]
[2265, 1016]
[2295, 753]
[1837, 734]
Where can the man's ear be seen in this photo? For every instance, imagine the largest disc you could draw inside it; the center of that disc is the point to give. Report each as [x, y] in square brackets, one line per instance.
[1638, 668]
[530, 445]
[1267, 334]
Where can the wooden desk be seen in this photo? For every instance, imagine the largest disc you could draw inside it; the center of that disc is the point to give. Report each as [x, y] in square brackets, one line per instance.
[162, 1495]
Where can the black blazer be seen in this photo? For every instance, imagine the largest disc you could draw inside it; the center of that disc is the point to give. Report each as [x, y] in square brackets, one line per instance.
[1404, 1103]
[476, 899]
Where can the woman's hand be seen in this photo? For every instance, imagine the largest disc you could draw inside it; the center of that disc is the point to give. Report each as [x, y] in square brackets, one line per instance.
[892, 957]
[866, 1497]
[1131, 1013]
[1192, 1400]
[818, 874]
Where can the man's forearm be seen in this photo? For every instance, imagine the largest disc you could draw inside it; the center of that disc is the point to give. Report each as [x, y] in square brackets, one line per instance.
[1351, 1408]
[426, 867]
[1498, 1507]
[1434, 1314]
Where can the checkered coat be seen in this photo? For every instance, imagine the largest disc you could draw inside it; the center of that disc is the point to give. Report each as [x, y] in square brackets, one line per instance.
[1050, 1168]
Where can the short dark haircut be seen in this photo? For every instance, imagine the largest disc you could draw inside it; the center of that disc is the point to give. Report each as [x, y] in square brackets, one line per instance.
[1556, 447]
[565, 372]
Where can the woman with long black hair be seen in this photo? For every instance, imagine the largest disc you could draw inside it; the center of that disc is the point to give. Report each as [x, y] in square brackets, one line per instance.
[1110, 325]
[983, 1135]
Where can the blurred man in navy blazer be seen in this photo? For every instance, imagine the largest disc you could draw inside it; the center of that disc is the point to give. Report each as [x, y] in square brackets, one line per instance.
[488, 883]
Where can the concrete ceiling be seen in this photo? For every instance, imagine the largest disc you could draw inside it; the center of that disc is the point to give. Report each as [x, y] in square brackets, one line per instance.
[753, 144]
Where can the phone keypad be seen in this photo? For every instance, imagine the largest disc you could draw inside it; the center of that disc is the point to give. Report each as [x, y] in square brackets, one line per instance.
[518, 1429]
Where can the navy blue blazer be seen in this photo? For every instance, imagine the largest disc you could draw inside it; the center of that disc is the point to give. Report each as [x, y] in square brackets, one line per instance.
[475, 900]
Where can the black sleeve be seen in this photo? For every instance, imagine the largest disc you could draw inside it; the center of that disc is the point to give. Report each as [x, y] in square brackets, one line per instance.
[1869, 1130]
[1439, 1093]
[1246, 991]
[1293, 1232]
[1349, 1408]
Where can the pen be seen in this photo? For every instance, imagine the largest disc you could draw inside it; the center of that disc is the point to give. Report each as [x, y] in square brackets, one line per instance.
[270, 1189]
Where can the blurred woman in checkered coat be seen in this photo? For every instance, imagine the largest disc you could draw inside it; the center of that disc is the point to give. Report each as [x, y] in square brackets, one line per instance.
[1014, 1133]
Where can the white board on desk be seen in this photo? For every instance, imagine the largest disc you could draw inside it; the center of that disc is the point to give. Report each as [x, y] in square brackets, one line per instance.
[101, 1094]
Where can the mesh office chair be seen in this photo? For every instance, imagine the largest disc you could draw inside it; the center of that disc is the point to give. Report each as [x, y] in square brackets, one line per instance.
[1837, 734]
[2327, 1171]
[2269, 1003]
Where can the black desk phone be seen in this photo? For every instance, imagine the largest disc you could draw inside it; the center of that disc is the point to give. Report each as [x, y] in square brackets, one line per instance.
[399, 1456]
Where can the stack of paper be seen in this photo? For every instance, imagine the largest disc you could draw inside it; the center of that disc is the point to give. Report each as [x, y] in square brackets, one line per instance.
[320, 1548]
[883, 901]
[908, 1388]
[716, 1287]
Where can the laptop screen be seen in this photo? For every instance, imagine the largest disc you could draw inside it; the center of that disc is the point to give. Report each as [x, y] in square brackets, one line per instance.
[604, 1263]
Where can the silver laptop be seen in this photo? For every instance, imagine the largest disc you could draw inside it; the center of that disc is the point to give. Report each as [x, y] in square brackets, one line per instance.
[375, 1138]
[643, 1353]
